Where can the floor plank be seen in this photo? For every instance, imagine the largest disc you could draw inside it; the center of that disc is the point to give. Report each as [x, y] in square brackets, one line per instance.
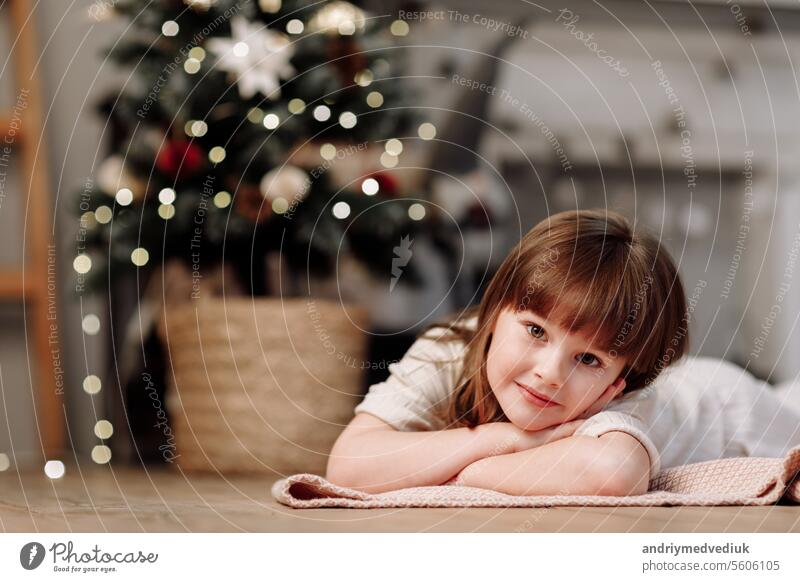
[114, 499]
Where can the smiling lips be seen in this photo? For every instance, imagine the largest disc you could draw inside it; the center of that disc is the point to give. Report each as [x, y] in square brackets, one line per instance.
[534, 397]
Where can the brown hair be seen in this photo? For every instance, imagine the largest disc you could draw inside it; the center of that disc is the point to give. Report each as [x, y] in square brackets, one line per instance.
[589, 272]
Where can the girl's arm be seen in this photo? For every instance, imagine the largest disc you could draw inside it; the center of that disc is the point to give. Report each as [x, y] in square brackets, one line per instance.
[613, 464]
[370, 455]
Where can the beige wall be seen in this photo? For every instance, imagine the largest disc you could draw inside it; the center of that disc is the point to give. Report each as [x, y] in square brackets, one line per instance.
[72, 75]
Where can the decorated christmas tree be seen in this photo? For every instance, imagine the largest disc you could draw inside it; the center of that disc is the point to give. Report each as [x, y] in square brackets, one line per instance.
[234, 112]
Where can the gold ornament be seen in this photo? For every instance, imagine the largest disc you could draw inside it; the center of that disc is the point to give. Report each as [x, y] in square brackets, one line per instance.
[337, 18]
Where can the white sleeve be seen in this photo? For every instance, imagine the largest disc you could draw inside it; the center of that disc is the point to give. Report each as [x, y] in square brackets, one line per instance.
[623, 417]
[418, 387]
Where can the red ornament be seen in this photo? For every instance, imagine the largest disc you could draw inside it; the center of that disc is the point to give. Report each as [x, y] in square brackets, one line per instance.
[387, 184]
[180, 158]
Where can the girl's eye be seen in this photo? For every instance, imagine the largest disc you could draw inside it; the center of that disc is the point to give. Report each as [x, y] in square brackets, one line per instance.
[589, 360]
[535, 331]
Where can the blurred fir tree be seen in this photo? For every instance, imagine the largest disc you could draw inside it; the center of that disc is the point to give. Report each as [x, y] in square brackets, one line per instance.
[214, 127]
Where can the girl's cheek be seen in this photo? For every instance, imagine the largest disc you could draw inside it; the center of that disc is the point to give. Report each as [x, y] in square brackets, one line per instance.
[591, 379]
[494, 369]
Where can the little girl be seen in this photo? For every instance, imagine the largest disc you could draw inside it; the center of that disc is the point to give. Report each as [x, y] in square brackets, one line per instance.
[569, 378]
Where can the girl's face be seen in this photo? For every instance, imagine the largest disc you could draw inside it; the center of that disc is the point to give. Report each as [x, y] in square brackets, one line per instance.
[528, 355]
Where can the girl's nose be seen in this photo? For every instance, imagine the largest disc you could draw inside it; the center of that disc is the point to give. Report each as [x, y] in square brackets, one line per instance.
[550, 370]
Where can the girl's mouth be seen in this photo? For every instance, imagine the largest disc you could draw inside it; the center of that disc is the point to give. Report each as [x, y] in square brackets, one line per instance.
[534, 397]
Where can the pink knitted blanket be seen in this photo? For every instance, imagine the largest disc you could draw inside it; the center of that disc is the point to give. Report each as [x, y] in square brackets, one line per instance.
[733, 481]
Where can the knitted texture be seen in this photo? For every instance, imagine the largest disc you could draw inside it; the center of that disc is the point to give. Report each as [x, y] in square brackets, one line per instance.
[732, 481]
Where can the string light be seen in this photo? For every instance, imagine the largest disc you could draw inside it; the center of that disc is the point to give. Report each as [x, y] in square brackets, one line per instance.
[103, 429]
[217, 154]
[91, 384]
[197, 53]
[82, 264]
[294, 26]
[322, 113]
[54, 469]
[170, 28]
[271, 121]
[280, 205]
[5, 463]
[271, 6]
[394, 147]
[222, 199]
[255, 115]
[427, 131]
[374, 99]
[140, 256]
[388, 160]
[124, 196]
[199, 128]
[87, 219]
[399, 28]
[348, 120]
[191, 66]
[327, 151]
[101, 454]
[90, 324]
[103, 214]
[369, 186]
[297, 106]
[416, 211]
[100, 12]
[341, 210]
[166, 196]
[364, 78]
[166, 211]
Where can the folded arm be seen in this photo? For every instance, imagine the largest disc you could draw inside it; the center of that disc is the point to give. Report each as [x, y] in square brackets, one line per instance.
[613, 464]
[371, 456]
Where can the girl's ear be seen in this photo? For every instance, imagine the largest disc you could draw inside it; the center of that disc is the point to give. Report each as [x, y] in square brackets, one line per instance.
[620, 386]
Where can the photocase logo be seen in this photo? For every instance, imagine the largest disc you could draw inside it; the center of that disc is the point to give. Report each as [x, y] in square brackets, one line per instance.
[31, 555]
[402, 254]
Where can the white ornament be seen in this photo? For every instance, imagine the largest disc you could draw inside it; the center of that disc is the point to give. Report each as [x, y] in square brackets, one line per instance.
[112, 176]
[259, 57]
[201, 5]
[289, 182]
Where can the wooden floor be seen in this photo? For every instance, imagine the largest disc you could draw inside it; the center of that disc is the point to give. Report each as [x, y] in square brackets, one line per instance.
[114, 499]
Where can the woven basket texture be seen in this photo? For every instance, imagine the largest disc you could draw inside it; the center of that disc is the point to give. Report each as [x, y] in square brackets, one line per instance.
[261, 385]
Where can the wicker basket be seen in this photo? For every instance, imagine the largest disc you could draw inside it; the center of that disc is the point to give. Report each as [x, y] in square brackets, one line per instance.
[262, 385]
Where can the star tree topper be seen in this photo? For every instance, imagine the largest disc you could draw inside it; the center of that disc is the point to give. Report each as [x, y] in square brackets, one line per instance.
[258, 56]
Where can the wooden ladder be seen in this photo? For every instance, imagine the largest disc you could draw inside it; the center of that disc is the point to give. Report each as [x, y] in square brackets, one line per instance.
[33, 283]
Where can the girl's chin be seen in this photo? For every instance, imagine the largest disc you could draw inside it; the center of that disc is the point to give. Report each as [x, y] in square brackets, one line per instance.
[538, 425]
[526, 422]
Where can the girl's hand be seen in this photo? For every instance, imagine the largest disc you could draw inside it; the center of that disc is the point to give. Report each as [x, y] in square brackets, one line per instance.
[531, 439]
[513, 439]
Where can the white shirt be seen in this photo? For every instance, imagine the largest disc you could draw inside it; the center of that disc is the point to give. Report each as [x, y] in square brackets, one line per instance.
[698, 409]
